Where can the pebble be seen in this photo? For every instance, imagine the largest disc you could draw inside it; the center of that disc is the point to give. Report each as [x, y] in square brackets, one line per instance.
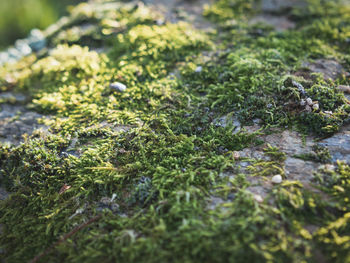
[344, 88]
[36, 40]
[231, 196]
[309, 101]
[299, 87]
[108, 203]
[117, 86]
[23, 47]
[308, 108]
[198, 69]
[316, 107]
[277, 179]
[160, 22]
[327, 167]
[258, 198]
[14, 53]
[236, 155]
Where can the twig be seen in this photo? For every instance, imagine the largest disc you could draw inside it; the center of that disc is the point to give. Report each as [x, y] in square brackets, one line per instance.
[64, 238]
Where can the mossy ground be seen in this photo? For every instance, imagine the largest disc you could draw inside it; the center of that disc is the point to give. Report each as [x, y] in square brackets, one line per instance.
[168, 159]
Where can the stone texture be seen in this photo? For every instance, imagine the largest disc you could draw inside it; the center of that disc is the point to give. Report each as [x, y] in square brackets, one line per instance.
[297, 169]
[276, 6]
[339, 145]
[279, 23]
[3, 194]
[16, 121]
[329, 68]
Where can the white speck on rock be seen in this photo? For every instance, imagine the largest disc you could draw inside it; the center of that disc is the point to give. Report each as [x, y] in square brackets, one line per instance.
[276, 179]
[309, 101]
[198, 69]
[258, 198]
[117, 86]
[236, 155]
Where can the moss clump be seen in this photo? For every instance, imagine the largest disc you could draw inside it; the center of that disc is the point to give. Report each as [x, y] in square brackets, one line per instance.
[134, 170]
[249, 76]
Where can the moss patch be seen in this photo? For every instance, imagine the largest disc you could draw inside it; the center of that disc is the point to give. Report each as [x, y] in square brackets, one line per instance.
[147, 185]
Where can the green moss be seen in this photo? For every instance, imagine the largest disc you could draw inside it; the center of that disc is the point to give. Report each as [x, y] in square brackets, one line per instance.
[171, 158]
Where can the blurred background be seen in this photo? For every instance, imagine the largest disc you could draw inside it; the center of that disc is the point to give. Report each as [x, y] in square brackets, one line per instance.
[18, 17]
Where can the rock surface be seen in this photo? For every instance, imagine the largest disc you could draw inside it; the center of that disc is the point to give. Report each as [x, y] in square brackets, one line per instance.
[15, 121]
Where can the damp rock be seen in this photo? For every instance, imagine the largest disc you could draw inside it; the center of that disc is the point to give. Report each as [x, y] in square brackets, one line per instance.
[117, 86]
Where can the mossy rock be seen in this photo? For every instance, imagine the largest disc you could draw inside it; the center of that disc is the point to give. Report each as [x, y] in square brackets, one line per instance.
[176, 165]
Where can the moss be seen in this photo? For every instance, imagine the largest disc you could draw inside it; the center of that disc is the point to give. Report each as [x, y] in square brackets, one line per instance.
[156, 149]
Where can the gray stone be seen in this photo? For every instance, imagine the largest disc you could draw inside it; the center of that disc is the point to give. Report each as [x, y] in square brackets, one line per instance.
[277, 6]
[279, 23]
[339, 145]
[36, 40]
[23, 47]
[227, 120]
[12, 97]
[329, 68]
[16, 121]
[298, 169]
[14, 53]
[290, 142]
[344, 88]
[3, 194]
